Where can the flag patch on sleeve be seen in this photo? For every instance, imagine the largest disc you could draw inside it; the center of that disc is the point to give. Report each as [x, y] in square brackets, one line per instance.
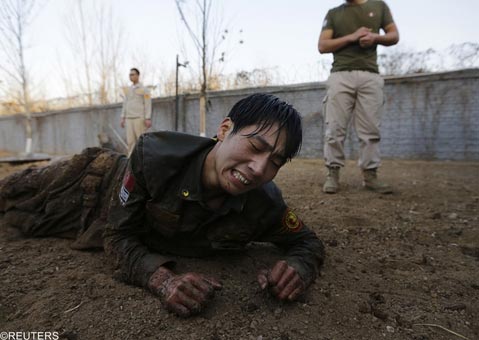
[127, 187]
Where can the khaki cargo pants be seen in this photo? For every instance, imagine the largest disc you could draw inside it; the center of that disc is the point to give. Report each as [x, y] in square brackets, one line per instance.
[356, 95]
[135, 127]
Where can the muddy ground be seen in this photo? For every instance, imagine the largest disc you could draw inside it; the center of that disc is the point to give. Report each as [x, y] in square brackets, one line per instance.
[395, 264]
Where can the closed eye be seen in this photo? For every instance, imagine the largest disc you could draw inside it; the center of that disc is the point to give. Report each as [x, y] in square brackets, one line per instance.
[255, 147]
[277, 162]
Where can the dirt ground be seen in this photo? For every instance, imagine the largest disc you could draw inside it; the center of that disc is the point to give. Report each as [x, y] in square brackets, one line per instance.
[395, 264]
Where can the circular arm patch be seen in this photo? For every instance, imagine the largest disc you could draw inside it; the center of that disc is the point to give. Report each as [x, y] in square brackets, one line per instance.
[291, 221]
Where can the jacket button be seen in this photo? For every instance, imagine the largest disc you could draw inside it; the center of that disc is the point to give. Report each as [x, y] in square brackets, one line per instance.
[185, 193]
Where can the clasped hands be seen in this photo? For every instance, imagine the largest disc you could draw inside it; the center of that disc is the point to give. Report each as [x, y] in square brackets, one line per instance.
[365, 37]
[188, 294]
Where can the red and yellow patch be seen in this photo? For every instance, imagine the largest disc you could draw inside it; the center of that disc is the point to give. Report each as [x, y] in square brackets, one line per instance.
[129, 181]
[291, 221]
[127, 187]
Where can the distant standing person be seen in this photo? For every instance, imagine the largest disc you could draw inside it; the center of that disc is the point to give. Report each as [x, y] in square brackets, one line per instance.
[136, 112]
[355, 88]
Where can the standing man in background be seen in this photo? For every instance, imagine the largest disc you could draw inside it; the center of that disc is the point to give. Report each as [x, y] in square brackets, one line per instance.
[355, 88]
[136, 111]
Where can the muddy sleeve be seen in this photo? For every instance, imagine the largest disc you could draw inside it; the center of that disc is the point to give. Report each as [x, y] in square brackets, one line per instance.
[126, 225]
[304, 250]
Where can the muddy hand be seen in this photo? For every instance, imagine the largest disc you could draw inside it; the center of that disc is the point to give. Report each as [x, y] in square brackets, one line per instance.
[185, 294]
[283, 280]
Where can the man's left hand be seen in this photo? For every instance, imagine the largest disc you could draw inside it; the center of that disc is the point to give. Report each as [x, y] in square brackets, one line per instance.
[148, 123]
[368, 40]
[283, 281]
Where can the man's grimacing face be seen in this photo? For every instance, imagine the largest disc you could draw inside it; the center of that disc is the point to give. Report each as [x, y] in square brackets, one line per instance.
[244, 163]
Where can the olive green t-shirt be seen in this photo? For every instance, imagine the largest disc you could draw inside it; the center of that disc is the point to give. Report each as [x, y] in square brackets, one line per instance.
[346, 19]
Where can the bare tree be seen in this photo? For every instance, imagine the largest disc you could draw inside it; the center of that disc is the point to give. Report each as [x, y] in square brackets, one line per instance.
[466, 55]
[80, 38]
[399, 61]
[254, 78]
[95, 37]
[207, 32]
[109, 38]
[15, 17]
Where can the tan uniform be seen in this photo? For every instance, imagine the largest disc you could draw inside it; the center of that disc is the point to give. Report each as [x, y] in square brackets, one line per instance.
[357, 95]
[136, 108]
[355, 89]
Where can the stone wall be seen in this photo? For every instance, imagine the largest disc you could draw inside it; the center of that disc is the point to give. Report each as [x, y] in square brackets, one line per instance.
[428, 116]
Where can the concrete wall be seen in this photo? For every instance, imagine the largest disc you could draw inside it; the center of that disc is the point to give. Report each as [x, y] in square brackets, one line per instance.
[431, 116]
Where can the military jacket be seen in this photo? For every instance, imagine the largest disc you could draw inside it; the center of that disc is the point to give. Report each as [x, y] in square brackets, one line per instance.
[157, 208]
[137, 103]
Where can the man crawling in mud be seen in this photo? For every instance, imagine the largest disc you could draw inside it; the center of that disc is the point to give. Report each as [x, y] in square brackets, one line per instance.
[177, 194]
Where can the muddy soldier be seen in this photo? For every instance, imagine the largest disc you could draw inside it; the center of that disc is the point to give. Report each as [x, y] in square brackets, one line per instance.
[136, 110]
[355, 88]
[178, 194]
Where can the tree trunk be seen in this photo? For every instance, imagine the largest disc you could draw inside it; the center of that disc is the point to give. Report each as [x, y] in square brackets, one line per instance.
[203, 114]
[28, 130]
[28, 113]
[204, 84]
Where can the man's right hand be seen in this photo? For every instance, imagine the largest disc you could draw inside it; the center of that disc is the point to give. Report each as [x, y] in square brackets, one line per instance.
[360, 32]
[122, 123]
[184, 294]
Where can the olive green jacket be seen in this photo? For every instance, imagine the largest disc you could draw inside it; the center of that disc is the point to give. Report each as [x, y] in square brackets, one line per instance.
[157, 208]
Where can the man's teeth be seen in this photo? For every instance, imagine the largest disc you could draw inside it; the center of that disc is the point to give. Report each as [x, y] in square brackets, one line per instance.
[239, 177]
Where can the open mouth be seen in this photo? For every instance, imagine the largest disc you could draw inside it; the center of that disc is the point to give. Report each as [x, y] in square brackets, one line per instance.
[240, 177]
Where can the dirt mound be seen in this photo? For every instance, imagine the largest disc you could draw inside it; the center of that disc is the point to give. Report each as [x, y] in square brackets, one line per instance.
[395, 264]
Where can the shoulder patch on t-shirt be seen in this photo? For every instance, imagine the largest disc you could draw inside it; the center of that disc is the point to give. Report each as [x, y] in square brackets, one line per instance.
[291, 222]
[127, 187]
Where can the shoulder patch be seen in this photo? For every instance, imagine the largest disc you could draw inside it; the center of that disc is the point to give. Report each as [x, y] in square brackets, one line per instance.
[147, 96]
[127, 187]
[325, 23]
[291, 222]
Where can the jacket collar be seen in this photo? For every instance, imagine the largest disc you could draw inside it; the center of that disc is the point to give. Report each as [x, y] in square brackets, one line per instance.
[191, 186]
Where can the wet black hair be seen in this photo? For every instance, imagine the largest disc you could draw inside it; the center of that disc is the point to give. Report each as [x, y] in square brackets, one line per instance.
[265, 110]
[136, 70]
